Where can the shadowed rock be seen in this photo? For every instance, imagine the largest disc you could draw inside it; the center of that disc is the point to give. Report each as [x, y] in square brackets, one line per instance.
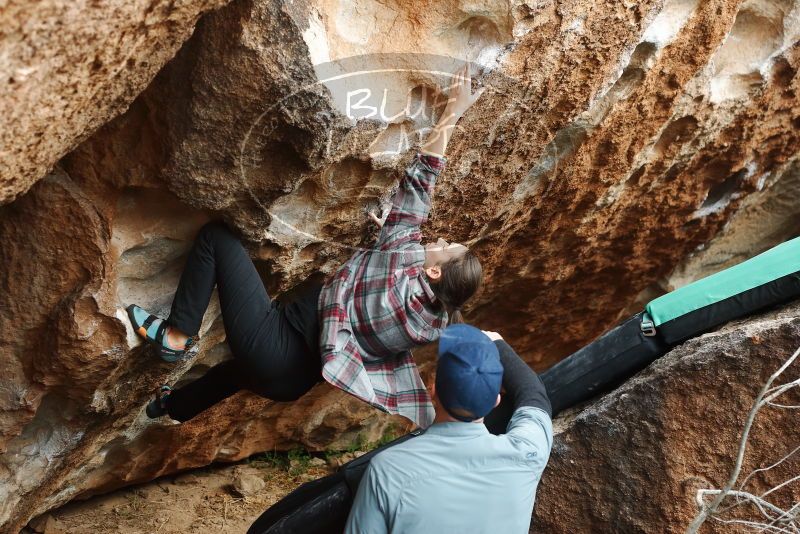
[633, 460]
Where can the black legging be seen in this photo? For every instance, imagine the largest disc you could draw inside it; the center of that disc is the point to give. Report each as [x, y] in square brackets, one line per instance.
[271, 355]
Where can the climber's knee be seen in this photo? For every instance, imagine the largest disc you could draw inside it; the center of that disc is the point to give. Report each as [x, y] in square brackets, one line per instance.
[215, 231]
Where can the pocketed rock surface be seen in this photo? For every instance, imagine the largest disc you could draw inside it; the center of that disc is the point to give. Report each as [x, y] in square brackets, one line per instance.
[634, 460]
[69, 66]
[621, 149]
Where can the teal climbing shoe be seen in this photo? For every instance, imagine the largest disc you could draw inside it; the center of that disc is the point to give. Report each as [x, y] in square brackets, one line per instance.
[154, 329]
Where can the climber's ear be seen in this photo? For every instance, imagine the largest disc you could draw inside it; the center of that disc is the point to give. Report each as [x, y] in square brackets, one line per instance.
[434, 272]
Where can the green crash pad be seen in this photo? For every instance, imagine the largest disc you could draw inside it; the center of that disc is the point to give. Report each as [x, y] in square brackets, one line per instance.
[775, 263]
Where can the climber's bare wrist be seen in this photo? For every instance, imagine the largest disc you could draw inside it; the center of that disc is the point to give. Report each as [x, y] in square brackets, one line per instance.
[449, 119]
[440, 135]
[460, 98]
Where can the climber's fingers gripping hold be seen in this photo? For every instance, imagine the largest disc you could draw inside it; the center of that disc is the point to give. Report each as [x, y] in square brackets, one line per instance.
[377, 220]
[461, 97]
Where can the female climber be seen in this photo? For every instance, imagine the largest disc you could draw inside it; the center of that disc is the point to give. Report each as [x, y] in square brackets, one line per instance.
[355, 330]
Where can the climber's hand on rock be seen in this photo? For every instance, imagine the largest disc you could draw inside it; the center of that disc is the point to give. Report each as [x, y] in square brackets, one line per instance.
[377, 220]
[461, 96]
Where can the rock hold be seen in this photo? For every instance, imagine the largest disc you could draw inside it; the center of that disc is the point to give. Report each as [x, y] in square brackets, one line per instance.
[247, 482]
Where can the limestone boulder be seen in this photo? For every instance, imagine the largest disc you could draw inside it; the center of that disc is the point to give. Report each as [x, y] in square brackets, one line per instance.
[634, 460]
[610, 144]
[76, 380]
[68, 67]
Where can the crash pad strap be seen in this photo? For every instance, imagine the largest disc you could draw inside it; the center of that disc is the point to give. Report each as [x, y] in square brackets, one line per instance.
[775, 263]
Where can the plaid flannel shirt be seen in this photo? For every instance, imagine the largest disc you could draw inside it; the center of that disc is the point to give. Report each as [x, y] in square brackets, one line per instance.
[378, 306]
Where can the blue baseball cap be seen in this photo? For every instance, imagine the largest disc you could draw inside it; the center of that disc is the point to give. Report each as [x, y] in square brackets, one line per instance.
[469, 373]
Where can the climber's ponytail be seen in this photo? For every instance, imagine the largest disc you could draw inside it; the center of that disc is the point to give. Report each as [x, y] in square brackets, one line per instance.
[461, 278]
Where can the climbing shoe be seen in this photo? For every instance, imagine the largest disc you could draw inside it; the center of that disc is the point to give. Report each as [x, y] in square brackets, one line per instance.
[158, 406]
[154, 330]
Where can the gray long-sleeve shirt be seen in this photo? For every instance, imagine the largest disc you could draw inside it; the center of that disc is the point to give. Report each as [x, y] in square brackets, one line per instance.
[457, 477]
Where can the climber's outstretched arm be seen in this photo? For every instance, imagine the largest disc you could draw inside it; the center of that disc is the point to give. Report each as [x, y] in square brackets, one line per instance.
[460, 98]
[412, 202]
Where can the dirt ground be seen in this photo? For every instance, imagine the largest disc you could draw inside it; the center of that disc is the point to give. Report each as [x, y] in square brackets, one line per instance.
[200, 501]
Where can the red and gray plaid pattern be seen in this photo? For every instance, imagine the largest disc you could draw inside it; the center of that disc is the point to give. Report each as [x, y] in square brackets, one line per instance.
[378, 306]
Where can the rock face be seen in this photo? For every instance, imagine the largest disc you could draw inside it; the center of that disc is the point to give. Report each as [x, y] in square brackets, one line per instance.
[634, 460]
[611, 144]
[68, 67]
[628, 133]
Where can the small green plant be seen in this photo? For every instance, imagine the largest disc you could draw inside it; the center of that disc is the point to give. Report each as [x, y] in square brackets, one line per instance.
[295, 462]
[272, 459]
[361, 443]
[299, 461]
[389, 434]
[358, 444]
